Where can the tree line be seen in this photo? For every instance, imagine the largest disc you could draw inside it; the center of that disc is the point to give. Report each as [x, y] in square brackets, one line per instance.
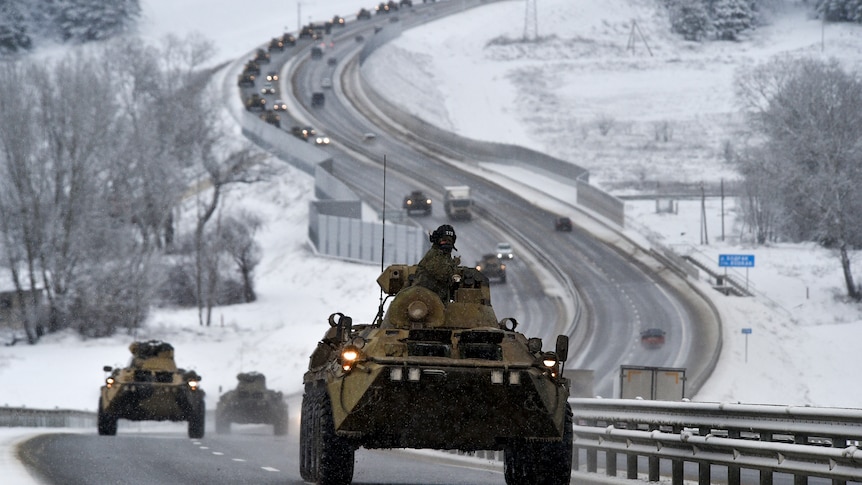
[101, 153]
[802, 166]
[24, 23]
[699, 20]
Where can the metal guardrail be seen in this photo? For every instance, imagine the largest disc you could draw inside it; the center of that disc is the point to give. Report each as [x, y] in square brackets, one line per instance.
[805, 442]
[46, 418]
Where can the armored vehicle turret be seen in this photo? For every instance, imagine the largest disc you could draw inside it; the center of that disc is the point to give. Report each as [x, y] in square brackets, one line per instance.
[251, 402]
[436, 374]
[151, 387]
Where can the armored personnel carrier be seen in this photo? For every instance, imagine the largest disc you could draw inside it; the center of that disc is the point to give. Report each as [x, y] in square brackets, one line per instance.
[436, 374]
[417, 201]
[251, 402]
[255, 101]
[492, 267]
[151, 387]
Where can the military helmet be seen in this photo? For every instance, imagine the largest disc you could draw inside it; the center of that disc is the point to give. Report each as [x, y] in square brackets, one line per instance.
[443, 233]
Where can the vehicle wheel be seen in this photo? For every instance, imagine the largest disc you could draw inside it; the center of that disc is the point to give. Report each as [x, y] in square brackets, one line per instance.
[279, 424]
[197, 421]
[107, 423]
[334, 455]
[545, 463]
[307, 470]
[222, 422]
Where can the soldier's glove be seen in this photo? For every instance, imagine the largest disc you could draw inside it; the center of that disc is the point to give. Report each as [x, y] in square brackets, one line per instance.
[457, 260]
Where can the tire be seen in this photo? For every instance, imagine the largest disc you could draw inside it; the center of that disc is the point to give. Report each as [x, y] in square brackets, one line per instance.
[307, 470]
[334, 455]
[541, 463]
[197, 421]
[107, 423]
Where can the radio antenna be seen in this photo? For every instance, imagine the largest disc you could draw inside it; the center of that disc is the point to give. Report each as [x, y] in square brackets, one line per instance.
[382, 243]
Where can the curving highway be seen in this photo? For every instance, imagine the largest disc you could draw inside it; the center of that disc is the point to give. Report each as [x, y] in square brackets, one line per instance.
[592, 284]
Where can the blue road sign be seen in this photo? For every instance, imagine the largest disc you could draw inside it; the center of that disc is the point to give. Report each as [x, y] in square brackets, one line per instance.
[736, 260]
[746, 330]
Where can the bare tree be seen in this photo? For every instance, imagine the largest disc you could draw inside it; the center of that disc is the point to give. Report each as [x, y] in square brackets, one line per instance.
[809, 115]
[23, 186]
[237, 236]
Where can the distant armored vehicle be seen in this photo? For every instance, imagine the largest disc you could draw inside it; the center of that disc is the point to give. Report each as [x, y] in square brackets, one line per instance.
[251, 402]
[255, 101]
[492, 267]
[417, 201]
[151, 387]
[252, 67]
[245, 80]
[272, 118]
[436, 374]
[364, 14]
[276, 44]
[261, 57]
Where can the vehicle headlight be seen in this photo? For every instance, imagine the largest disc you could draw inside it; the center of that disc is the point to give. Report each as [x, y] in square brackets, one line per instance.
[194, 385]
[478, 267]
[500, 255]
[349, 356]
[549, 359]
[109, 382]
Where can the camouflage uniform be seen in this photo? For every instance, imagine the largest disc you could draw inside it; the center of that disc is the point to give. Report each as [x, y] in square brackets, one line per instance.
[435, 271]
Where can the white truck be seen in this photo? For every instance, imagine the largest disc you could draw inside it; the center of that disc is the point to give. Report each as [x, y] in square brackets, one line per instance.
[457, 202]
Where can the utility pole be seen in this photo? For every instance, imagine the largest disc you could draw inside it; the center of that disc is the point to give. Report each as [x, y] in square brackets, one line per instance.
[531, 27]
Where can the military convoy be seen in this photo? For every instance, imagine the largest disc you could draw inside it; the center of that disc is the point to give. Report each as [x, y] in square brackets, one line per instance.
[394, 383]
[251, 402]
[151, 387]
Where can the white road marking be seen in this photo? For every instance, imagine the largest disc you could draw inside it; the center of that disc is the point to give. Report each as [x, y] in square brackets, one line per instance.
[270, 469]
[218, 453]
[205, 447]
[238, 459]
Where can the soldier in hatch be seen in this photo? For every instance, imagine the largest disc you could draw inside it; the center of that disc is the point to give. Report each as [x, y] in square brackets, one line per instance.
[437, 267]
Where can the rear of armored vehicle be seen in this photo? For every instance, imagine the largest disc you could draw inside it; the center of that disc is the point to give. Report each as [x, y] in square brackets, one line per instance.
[440, 375]
[151, 387]
[251, 402]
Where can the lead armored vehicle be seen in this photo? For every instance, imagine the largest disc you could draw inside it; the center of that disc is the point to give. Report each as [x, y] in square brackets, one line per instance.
[251, 402]
[151, 387]
[436, 374]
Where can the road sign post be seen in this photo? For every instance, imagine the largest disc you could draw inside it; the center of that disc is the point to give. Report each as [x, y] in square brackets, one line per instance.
[746, 332]
[736, 261]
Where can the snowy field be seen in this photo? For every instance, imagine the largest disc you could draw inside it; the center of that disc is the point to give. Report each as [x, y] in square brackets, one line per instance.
[551, 96]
